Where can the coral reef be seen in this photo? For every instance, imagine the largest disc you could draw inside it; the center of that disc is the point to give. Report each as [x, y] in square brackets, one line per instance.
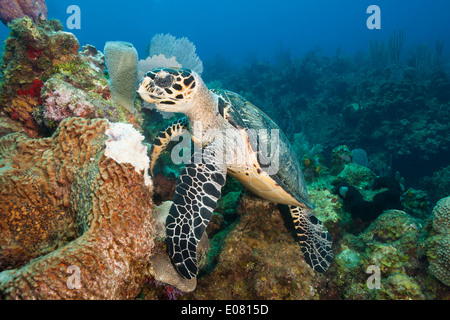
[390, 244]
[95, 58]
[76, 220]
[45, 79]
[415, 202]
[340, 156]
[62, 100]
[30, 55]
[438, 184]
[8, 125]
[394, 109]
[258, 259]
[122, 63]
[13, 9]
[439, 242]
[250, 236]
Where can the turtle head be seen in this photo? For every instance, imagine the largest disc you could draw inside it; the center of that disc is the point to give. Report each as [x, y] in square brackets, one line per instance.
[169, 89]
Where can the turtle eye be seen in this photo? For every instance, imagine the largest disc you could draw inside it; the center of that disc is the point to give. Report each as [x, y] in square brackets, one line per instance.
[164, 81]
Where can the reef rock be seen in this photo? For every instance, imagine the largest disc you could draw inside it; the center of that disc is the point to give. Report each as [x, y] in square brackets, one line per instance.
[13, 9]
[383, 262]
[340, 156]
[76, 216]
[29, 58]
[46, 79]
[257, 258]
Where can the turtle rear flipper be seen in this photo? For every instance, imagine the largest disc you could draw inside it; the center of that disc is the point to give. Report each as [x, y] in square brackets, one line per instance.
[315, 240]
[198, 189]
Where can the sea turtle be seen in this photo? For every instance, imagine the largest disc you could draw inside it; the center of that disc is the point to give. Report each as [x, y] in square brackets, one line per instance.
[229, 133]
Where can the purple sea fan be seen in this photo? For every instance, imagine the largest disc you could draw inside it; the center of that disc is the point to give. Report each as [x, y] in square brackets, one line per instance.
[12, 9]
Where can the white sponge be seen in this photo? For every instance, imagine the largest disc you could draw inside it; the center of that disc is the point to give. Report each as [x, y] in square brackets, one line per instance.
[125, 146]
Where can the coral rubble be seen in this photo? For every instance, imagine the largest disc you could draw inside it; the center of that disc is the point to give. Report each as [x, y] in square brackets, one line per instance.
[75, 223]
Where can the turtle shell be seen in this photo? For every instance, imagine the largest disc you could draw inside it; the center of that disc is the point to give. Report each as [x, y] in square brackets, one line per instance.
[242, 114]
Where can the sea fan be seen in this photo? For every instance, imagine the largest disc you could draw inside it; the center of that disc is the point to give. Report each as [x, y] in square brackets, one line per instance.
[182, 49]
[156, 61]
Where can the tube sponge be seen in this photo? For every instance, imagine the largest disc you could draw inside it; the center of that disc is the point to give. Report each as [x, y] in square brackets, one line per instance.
[121, 61]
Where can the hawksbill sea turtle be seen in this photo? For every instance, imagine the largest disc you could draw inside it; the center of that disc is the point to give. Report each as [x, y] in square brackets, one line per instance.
[228, 132]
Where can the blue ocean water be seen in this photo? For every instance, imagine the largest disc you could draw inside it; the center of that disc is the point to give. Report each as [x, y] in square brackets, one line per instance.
[237, 28]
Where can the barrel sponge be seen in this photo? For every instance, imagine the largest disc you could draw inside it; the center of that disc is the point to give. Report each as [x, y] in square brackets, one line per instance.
[439, 242]
[122, 63]
[76, 219]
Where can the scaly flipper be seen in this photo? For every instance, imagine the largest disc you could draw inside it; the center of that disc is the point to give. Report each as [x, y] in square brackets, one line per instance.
[175, 129]
[315, 240]
[198, 189]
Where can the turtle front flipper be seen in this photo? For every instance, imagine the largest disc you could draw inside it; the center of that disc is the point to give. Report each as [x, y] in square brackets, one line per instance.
[196, 195]
[314, 238]
[175, 129]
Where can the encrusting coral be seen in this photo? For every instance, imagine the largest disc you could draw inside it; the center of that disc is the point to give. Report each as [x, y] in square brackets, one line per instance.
[75, 215]
[63, 100]
[390, 244]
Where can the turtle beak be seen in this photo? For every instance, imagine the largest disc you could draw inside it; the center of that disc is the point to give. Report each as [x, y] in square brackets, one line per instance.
[144, 88]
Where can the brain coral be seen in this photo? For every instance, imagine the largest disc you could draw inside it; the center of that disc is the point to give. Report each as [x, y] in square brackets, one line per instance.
[439, 253]
[74, 222]
[441, 216]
